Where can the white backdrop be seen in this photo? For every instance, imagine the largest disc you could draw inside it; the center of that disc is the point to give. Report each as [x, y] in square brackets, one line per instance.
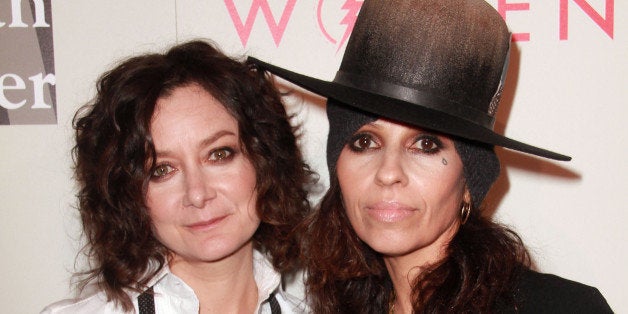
[569, 95]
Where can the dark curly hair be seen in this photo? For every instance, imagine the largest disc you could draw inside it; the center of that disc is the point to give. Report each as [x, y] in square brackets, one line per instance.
[344, 275]
[114, 153]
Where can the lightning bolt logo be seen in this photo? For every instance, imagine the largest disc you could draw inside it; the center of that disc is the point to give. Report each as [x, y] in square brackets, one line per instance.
[352, 7]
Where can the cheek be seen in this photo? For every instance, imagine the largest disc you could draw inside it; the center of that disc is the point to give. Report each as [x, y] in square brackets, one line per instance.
[251, 207]
[351, 191]
[158, 205]
[350, 202]
[443, 190]
[162, 219]
[350, 179]
[164, 202]
[163, 196]
[244, 185]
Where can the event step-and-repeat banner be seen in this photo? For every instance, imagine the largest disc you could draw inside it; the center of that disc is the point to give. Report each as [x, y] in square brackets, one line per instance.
[566, 90]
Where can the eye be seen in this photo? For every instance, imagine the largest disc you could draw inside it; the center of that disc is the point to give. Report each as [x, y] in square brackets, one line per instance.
[221, 154]
[161, 171]
[428, 144]
[361, 142]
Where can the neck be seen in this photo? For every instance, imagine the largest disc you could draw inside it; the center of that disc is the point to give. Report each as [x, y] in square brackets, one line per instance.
[405, 268]
[218, 283]
[402, 272]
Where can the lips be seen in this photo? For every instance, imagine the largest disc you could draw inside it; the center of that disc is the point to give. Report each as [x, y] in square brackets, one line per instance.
[390, 212]
[206, 224]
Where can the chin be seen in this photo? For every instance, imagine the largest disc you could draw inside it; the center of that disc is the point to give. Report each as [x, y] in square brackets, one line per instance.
[211, 251]
[220, 251]
[392, 250]
[389, 245]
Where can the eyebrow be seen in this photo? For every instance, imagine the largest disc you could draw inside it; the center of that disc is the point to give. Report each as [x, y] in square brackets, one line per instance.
[373, 124]
[206, 142]
[377, 124]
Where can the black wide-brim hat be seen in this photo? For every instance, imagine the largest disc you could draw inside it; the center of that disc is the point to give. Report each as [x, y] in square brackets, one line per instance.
[435, 64]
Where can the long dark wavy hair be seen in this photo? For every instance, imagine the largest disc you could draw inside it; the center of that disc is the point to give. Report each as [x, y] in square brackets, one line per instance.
[344, 275]
[114, 154]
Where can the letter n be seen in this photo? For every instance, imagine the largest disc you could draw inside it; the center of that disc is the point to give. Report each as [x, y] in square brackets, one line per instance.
[605, 23]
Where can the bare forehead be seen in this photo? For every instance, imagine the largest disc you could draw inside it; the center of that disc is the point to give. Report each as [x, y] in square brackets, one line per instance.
[190, 97]
[190, 110]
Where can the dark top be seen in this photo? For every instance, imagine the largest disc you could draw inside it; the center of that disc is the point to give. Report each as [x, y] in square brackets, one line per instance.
[544, 293]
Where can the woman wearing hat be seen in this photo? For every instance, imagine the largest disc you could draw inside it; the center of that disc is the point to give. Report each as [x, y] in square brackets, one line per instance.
[410, 156]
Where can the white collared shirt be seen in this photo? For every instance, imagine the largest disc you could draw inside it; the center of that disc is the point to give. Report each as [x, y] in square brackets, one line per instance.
[172, 295]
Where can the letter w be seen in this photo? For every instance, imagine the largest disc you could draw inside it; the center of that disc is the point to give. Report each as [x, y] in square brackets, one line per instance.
[276, 29]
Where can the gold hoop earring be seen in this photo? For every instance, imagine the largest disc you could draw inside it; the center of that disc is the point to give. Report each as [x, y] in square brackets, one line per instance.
[465, 212]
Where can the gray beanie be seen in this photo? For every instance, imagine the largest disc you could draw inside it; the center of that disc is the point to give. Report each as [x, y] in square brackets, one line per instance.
[480, 164]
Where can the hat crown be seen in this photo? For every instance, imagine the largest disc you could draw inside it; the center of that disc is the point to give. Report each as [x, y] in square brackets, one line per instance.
[409, 43]
[434, 64]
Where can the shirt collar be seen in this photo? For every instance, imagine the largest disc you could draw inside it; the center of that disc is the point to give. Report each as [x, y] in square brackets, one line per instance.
[266, 277]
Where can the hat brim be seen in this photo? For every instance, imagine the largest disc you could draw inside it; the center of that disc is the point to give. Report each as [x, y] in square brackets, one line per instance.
[399, 110]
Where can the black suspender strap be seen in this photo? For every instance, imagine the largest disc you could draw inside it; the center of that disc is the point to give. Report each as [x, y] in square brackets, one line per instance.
[274, 305]
[146, 302]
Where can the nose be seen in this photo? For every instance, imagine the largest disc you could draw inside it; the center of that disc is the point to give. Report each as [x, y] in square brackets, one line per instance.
[390, 169]
[198, 189]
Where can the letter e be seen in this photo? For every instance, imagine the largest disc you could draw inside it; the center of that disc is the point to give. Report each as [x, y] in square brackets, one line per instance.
[19, 84]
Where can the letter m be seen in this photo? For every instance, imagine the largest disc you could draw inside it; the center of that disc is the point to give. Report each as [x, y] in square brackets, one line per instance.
[276, 29]
[605, 23]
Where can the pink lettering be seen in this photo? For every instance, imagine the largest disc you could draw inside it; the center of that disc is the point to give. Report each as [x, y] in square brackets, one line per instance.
[276, 29]
[605, 23]
[503, 6]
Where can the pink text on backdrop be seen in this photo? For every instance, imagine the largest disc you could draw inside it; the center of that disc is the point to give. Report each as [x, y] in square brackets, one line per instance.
[605, 23]
[352, 8]
[503, 7]
[276, 29]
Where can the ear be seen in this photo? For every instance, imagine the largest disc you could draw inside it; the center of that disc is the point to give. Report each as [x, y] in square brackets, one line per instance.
[466, 197]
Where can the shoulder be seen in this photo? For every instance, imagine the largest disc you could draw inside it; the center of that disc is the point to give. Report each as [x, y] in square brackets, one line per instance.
[92, 299]
[94, 303]
[545, 293]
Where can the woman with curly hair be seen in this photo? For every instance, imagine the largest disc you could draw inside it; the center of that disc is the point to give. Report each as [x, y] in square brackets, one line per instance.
[410, 156]
[191, 183]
